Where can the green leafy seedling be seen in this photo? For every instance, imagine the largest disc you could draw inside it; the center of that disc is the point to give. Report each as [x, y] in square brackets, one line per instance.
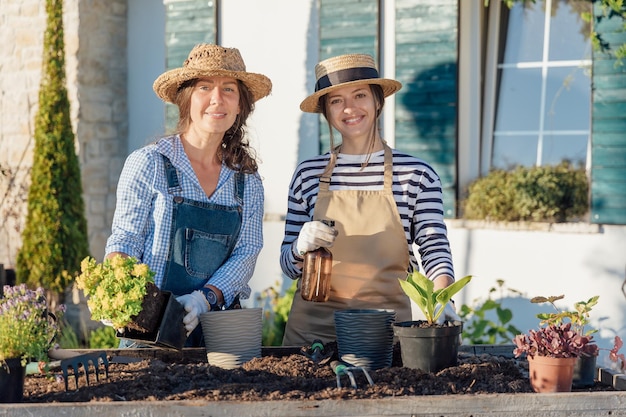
[422, 291]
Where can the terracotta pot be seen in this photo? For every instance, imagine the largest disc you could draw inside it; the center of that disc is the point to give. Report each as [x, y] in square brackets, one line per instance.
[12, 381]
[551, 374]
[430, 349]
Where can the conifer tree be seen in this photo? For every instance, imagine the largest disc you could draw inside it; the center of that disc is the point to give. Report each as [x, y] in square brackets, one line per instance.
[54, 239]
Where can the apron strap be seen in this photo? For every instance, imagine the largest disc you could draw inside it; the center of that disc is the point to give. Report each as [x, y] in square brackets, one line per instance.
[388, 168]
[388, 183]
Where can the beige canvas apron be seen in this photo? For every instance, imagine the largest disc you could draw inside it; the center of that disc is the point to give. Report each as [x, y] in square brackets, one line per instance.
[369, 255]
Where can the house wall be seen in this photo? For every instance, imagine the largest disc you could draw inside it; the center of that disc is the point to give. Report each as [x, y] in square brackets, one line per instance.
[579, 260]
[21, 46]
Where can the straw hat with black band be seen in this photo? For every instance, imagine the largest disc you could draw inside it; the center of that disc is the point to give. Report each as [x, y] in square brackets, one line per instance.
[342, 71]
[207, 60]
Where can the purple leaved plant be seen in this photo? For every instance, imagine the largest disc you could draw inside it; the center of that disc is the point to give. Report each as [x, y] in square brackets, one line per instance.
[554, 340]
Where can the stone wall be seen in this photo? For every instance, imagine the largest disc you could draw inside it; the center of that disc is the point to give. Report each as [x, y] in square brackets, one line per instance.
[95, 46]
[102, 120]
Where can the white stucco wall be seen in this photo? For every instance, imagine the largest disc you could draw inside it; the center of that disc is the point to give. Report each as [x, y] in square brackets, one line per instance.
[577, 264]
[146, 61]
[578, 261]
[285, 51]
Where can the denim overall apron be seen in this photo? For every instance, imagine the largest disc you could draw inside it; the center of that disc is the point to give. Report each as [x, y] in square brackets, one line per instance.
[202, 238]
[370, 253]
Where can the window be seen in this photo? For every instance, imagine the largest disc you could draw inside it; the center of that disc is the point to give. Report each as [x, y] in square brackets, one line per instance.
[543, 93]
[187, 23]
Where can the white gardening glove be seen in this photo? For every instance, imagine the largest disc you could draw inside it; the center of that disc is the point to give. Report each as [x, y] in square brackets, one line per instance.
[109, 323]
[313, 235]
[449, 313]
[194, 304]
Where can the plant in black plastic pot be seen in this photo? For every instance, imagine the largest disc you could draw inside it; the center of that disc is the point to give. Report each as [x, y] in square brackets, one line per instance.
[422, 291]
[425, 344]
[121, 292]
[27, 332]
[116, 290]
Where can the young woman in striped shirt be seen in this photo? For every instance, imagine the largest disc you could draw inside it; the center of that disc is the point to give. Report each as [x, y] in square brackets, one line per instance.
[382, 202]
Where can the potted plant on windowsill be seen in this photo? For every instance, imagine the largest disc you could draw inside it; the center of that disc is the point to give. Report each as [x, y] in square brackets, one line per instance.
[557, 345]
[425, 344]
[121, 292]
[27, 332]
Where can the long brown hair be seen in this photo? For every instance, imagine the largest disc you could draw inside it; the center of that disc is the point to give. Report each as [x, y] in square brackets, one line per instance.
[379, 102]
[235, 151]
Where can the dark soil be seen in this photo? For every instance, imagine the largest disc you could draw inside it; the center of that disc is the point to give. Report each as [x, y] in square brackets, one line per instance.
[291, 377]
[151, 310]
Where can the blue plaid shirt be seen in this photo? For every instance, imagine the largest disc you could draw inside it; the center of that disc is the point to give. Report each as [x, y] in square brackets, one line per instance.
[143, 216]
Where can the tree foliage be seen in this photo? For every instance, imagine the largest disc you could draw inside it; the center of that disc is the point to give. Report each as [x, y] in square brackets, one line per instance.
[54, 239]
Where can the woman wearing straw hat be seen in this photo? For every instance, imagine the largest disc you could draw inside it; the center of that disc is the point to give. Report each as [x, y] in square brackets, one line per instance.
[381, 200]
[190, 205]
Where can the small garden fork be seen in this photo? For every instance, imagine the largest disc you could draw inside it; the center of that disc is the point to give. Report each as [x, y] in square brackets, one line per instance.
[67, 359]
[84, 361]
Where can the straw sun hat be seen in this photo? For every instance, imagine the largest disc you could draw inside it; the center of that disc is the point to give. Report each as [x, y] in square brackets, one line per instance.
[342, 71]
[206, 60]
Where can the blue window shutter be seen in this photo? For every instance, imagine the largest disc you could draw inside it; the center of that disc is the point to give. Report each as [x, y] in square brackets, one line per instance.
[608, 141]
[187, 23]
[427, 105]
[346, 27]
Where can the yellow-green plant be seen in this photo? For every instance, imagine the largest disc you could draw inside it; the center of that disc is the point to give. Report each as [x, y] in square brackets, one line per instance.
[115, 288]
[422, 291]
[579, 317]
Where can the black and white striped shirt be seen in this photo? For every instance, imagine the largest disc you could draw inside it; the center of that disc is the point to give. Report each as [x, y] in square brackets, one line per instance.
[416, 190]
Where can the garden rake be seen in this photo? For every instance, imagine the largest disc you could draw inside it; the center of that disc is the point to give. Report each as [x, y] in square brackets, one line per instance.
[95, 359]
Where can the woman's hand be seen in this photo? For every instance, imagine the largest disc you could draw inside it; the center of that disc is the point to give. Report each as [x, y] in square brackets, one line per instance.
[194, 304]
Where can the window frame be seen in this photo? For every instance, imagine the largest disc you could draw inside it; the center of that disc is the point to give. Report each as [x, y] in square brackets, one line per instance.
[495, 44]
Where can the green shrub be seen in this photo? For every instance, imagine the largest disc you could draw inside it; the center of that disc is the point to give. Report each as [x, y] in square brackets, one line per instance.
[54, 239]
[480, 329]
[543, 194]
[275, 313]
[103, 338]
[68, 339]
